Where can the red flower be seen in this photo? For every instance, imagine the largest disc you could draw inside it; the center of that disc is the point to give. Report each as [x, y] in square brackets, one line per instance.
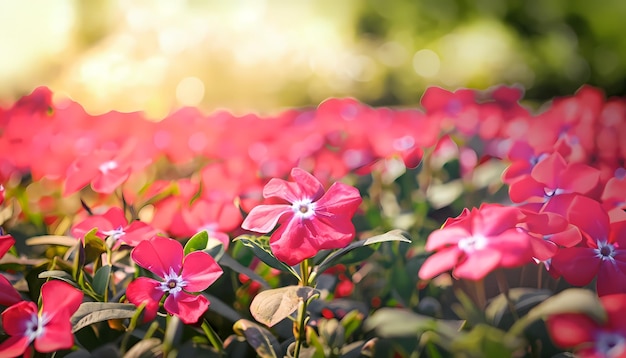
[113, 224]
[602, 254]
[477, 242]
[312, 221]
[588, 337]
[179, 276]
[49, 327]
[1, 194]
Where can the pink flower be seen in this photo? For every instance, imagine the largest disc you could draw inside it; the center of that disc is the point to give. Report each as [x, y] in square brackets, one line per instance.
[179, 276]
[8, 293]
[312, 221]
[477, 242]
[113, 224]
[588, 337]
[49, 328]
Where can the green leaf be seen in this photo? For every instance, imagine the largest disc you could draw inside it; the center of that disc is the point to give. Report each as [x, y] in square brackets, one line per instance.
[523, 298]
[572, 300]
[101, 280]
[230, 262]
[398, 322]
[93, 312]
[201, 241]
[331, 260]
[272, 306]
[486, 341]
[94, 246]
[261, 249]
[263, 342]
[61, 275]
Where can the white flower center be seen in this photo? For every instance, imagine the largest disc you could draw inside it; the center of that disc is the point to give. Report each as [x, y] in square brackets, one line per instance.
[472, 243]
[173, 283]
[115, 234]
[610, 344]
[304, 208]
[35, 327]
[605, 251]
[107, 166]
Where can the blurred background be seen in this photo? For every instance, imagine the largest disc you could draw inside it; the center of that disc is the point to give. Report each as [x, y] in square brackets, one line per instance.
[267, 55]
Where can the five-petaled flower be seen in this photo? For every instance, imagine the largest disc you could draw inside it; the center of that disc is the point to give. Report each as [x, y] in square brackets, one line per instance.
[180, 276]
[311, 221]
[113, 225]
[49, 327]
[477, 242]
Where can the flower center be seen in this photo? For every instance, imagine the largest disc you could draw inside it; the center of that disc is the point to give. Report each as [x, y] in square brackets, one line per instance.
[107, 166]
[35, 327]
[610, 344]
[173, 283]
[605, 251]
[115, 234]
[552, 192]
[472, 243]
[304, 208]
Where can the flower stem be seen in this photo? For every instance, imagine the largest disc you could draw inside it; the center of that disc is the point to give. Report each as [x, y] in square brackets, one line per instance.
[213, 337]
[504, 288]
[299, 325]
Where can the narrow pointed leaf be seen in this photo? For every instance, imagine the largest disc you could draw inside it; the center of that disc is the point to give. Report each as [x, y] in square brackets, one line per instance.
[92, 312]
[332, 259]
[230, 262]
[261, 249]
[101, 280]
[52, 240]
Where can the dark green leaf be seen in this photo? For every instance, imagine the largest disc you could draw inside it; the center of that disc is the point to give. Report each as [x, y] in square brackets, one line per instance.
[263, 342]
[523, 299]
[92, 312]
[487, 341]
[221, 308]
[332, 259]
[398, 322]
[228, 261]
[101, 280]
[272, 306]
[261, 249]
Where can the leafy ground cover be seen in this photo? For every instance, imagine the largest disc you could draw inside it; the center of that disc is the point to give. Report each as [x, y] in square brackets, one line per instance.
[472, 226]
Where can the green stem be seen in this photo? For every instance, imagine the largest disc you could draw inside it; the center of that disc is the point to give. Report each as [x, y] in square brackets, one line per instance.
[503, 285]
[212, 336]
[299, 325]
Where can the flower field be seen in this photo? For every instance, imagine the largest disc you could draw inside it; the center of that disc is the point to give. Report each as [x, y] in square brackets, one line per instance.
[475, 225]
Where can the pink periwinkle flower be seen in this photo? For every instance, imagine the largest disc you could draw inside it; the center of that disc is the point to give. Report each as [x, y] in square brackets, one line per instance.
[49, 327]
[311, 219]
[477, 242]
[179, 277]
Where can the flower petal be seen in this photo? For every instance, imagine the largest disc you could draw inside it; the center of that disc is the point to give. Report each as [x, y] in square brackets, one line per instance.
[6, 241]
[16, 317]
[58, 297]
[14, 346]
[57, 335]
[447, 236]
[339, 199]
[439, 262]
[189, 308]
[8, 293]
[577, 265]
[144, 289]
[571, 329]
[159, 255]
[477, 264]
[290, 243]
[200, 271]
[263, 218]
